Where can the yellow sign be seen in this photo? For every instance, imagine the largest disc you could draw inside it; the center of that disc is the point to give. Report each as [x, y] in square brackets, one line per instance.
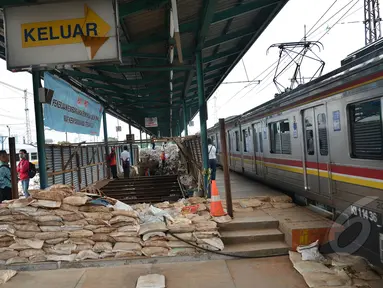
[91, 30]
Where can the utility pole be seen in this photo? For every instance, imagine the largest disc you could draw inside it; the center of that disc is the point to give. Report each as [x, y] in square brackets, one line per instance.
[372, 27]
[28, 124]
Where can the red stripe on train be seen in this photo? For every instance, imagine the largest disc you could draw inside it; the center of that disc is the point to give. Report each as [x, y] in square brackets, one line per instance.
[335, 168]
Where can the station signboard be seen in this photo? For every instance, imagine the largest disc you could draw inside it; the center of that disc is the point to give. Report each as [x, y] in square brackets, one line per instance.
[62, 33]
[151, 122]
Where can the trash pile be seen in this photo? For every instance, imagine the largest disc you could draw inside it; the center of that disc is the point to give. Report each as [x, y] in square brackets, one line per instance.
[58, 224]
[151, 159]
[335, 270]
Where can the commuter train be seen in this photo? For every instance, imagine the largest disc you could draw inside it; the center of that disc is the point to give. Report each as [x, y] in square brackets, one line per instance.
[322, 143]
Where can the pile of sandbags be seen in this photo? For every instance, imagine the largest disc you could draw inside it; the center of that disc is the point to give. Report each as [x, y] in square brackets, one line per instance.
[61, 225]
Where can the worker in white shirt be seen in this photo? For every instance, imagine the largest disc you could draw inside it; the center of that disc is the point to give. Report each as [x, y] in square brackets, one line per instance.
[212, 160]
[125, 159]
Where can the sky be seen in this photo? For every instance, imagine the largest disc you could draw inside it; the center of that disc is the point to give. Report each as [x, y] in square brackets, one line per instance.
[230, 99]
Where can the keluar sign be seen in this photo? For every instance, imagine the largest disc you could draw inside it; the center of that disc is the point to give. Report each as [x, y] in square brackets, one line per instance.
[70, 110]
[79, 32]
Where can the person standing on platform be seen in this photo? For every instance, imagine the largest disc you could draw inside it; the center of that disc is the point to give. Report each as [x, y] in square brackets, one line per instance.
[212, 160]
[23, 171]
[125, 159]
[153, 142]
[5, 177]
[113, 163]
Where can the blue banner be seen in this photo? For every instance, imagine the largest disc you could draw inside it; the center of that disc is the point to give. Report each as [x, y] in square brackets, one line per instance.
[70, 110]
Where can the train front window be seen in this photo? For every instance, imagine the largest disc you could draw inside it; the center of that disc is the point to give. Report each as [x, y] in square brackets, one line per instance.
[366, 129]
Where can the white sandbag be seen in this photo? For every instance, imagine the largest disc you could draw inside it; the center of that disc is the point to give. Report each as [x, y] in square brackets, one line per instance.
[7, 228]
[6, 275]
[181, 227]
[124, 246]
[47, 218]
[52, 251]
[148, 236]
[93, 227]
[123, 234]
[314, 280]
[183, 236]
[13, 218]
[102, 237]
[16, 260]
[46, 204]
[81, 222]
[60, 212]
[25, 234]
[120, 206]
[155, 251]
[104, 229]
[82, 247]
[98, 215]
[94, 208]
[68, 207]
[182, 252]
[125, 219]
[206, 226]
[127, 213]
[63, 228]
[222, 219]
[206, 234]
[65, 247]
[155, 243]
[18, 247]
[51, 235]
[4, 211]
[28, 227]
[127, 239]
[32, 243]
[80, 234]
[72, 217]
[5, 238]
[55, 241]
[31, 252]
[212, 243]
[51, 223]
[104, 255]
[151, 281]
[5, 255]
[152, 227]
[310, 252]
[87, 254]
[80, 241]
[66, 258]
[102, 247]
[76, 200]
[178, 244]
[128, 254]
[18, 203]
[48, 195]
[39, 258]
[129, 228]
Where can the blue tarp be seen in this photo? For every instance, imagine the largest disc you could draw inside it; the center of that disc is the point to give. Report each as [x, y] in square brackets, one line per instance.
[70, 110]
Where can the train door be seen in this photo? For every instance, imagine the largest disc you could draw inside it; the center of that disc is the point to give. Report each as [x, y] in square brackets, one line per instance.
[316, 150]
[260, 150]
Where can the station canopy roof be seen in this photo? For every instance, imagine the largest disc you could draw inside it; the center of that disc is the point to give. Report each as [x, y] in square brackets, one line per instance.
[140, 86]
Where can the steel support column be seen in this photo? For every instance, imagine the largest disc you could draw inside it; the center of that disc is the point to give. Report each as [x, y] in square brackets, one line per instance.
[185, 117]
[39, 118]
[202, 117]
[131, 146]
[105, 132]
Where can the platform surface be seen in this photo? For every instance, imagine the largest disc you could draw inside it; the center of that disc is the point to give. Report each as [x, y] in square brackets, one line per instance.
[242, 187]
[268, 272]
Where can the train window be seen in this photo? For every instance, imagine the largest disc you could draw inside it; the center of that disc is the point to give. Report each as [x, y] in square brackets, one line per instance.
[309, 135]
[260, 142]
[236, 141]
[218, 140]
[322, 134]
[366, 130]
[33, 156]
[280, 141]
[244, 137]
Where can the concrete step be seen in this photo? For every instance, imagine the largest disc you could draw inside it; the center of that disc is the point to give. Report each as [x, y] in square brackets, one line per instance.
[251, 236]
[262, 249]
[250, 222]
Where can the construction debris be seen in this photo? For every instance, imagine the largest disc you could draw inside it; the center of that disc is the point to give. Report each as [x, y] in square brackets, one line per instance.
[61, 225]
[151, 281]
[151, 161]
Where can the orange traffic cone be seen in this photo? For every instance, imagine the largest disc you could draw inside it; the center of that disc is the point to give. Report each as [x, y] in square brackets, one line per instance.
[216, 209]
